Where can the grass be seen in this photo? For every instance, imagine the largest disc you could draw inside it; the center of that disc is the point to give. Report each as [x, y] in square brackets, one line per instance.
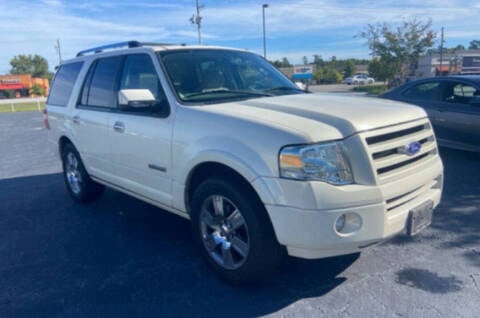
[21, 107]
[371, 89]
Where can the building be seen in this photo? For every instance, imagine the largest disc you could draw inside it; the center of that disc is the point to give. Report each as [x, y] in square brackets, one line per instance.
[20, 85]
[459, 62]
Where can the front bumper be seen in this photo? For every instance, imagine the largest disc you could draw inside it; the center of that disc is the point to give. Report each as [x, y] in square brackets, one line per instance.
[303, 214]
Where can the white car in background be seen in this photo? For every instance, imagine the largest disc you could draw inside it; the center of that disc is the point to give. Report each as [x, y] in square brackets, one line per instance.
[359, 79]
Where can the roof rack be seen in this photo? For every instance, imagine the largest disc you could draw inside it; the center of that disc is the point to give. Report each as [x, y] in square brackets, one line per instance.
[120, 45]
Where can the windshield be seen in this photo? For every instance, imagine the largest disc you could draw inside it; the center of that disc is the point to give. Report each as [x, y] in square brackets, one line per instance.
[206, 76]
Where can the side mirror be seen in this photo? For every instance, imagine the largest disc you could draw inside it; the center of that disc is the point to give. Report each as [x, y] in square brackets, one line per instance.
[135, 98]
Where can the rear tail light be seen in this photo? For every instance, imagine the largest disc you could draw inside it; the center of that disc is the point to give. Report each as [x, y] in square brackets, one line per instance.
[45, 119]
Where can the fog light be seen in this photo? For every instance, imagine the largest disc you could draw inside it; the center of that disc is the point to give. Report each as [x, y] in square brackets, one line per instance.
[348, 223]
[340, 223]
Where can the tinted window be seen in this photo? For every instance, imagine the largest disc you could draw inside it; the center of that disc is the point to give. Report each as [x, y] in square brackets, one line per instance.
[63, 83]
[139, 73]
[462, 93]
[103, 81]
[425, 91]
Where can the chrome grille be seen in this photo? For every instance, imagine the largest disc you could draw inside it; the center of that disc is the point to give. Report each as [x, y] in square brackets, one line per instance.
[385, 146]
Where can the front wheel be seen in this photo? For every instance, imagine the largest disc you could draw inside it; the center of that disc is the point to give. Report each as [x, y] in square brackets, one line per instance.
[232, 228]
[80, 186]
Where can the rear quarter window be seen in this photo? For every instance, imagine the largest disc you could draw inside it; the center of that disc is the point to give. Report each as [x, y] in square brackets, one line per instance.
[62, 84]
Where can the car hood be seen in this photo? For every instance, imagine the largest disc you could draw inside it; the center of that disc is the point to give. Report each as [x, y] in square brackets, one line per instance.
[322, 116]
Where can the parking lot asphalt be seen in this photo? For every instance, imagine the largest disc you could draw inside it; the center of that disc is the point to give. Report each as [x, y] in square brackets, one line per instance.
[120, 257]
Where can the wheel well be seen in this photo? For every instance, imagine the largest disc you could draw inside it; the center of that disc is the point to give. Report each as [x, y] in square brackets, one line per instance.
[62, 143]
[209, 170]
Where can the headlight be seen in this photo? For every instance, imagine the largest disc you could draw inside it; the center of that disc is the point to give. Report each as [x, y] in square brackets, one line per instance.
[324, 162]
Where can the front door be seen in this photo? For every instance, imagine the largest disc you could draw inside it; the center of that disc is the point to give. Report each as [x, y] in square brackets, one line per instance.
[140, 141]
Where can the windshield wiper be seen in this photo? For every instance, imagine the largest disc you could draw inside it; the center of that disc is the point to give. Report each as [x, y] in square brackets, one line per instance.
[284, 88]
[225, 90]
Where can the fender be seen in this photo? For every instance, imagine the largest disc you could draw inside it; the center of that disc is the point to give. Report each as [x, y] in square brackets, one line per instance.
[226, 151]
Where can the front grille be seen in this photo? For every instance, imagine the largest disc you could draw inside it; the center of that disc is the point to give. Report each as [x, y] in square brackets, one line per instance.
[386, 148]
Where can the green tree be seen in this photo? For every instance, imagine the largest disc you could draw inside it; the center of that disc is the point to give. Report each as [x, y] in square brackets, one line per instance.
[327, 75]
[399, 47]
[282, 63]
[349, 68]
[318, 61]
[380, 69]
[35, 65]
[286, 62]
[474, 45]
[36, 90]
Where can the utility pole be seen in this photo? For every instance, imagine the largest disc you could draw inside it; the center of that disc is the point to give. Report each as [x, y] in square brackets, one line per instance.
[59, 51]
[441, 52]
[264, 6]
[197, 19]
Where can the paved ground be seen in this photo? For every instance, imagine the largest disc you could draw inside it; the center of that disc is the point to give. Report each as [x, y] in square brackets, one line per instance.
[120, 257]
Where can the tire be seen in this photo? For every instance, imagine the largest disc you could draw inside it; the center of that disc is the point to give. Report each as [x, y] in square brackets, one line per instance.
[233, 231]
[80, 186]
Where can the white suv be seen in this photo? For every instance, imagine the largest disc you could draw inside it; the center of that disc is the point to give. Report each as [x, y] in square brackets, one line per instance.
[261, 168]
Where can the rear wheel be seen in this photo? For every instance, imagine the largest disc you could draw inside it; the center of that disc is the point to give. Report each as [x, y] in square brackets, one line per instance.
[80, 186]
[232, 228]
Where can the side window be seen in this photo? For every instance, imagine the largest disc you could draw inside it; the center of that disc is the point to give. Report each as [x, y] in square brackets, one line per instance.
[99, 87]
[425, 91]
[139, 73]
[63, 82]
[463, 93]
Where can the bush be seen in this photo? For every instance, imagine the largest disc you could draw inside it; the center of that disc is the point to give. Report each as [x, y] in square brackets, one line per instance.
[371, 89]
[327, 76]
[36, 90]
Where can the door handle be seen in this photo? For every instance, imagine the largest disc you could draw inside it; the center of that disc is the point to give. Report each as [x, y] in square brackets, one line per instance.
[76, 119]
[119, 127]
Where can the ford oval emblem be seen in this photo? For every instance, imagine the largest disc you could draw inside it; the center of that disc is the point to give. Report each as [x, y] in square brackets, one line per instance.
[411, 149]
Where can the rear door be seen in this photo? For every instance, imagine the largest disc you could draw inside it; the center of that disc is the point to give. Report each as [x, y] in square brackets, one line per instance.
[92, 113]
[140, 139]
[458, 118]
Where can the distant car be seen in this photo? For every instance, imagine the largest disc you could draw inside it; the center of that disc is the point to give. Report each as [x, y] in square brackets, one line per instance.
[359, 79]
[453, 105]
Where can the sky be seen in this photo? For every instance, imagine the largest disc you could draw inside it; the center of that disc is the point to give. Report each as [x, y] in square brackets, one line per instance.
[294, 28]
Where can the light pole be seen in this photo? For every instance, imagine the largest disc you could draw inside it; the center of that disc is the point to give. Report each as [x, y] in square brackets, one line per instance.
[265, 5]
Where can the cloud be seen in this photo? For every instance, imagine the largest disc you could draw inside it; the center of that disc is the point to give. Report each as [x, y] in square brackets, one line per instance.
[52, 3]
[293, 27]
